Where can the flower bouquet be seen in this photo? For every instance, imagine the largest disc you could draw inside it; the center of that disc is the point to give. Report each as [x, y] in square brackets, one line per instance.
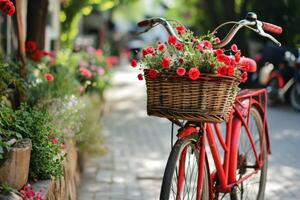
[189, 79]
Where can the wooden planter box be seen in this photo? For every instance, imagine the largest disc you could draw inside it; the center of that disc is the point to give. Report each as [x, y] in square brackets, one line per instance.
[14, 170]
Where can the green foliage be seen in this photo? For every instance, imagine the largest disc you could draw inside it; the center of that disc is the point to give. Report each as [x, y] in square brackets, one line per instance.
[72, 11]
[6, 189]
[35, 124]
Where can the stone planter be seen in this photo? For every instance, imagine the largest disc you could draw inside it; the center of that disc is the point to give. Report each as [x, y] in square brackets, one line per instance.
[14, 170]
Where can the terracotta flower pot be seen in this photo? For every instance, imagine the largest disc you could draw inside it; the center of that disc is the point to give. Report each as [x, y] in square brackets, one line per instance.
[14, 170]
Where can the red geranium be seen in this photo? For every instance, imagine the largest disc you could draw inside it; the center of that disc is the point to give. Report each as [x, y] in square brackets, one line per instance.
[223, 58]
[234, 48]
[7, 7]
[230, 70]
[133, 63]
[180, 29]
[166, 62]
[222, 70]
[219, 52]
[172, 40]
[179, 46]
[237, 56]
[207, 44]
[37, 55]
[30, 45]
[161, 47]
[200, 47]
[180, 71]
[49, 77]
[153, 73]
[217, 40]
[140, 77]
[194, 73]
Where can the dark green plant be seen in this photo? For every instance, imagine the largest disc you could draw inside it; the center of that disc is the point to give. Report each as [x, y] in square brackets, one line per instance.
[35, 124]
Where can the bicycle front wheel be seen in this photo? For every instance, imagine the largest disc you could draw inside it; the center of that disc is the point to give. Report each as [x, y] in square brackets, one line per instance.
[252, 188]
[181, 173]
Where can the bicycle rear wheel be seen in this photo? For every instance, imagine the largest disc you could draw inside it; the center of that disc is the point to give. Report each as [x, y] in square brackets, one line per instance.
[182, 169]
[252, 188]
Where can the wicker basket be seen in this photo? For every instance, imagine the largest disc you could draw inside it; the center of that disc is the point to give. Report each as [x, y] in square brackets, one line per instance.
[208, 99]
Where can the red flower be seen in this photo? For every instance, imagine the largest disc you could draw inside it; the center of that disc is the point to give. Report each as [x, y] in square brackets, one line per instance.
[180, 29]
[207, 44]
[180, 71]
[237, 56]
[200, 47]
[234, 48]
[172, 40]
[166, 62]
[179, 46]
[49, 77]
[55, 140]
[37, 55]
[194, 73]
[222, 70]
[153, 73]
[148, 50]
[161, 47]
[7, 8]
[144, 51]
[219, 52]
[212, 65]
[85, 72]
[230, 70]
[111, 60]
[140, 77]
[217, 40]
[30, 45]
[223, 58]
[133, 63]
[244, 76]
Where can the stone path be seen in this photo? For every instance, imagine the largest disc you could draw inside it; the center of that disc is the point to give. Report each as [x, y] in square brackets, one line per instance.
[138, 147]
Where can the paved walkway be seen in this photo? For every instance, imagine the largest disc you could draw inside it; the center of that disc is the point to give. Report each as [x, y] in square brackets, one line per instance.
[138, 147]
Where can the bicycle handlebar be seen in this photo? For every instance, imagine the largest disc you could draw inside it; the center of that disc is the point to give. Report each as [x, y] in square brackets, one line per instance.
[251, 20]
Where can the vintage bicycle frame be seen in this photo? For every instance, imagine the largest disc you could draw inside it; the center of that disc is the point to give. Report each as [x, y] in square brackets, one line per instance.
[239, 118]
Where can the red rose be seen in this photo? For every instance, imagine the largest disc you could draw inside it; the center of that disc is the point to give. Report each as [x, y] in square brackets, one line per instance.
[166, 62]
[223, 58]
[179, 46]
[230, 70]
[180, 71]
[55, 140]
[161, 47]
[217, 40]
[172, 40]
[140, 77]
[180, 29]
[222, 70]
[194, 73]
[133, 63]
[7, 8]
[237, 56]
[49, 77]
[234, 48]
[153, 73]
[85, 72]
[37, 55]
[30, 45]
[200, 47]
[244, 76]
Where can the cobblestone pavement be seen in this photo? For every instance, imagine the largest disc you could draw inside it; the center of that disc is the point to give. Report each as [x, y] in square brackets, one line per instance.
[138, 147]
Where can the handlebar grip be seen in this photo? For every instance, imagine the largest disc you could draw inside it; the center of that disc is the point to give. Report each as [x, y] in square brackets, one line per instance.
[144, 23]
[272, 28]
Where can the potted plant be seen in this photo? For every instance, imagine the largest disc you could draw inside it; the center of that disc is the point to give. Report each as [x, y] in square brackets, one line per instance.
[14, 151]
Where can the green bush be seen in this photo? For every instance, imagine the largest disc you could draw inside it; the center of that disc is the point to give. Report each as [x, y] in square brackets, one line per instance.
[46, 159]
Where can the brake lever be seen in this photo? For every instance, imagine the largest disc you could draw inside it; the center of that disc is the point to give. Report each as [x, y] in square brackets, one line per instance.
[261, 32]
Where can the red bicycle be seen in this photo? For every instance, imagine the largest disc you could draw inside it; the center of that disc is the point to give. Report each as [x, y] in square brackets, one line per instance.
[242, 170]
